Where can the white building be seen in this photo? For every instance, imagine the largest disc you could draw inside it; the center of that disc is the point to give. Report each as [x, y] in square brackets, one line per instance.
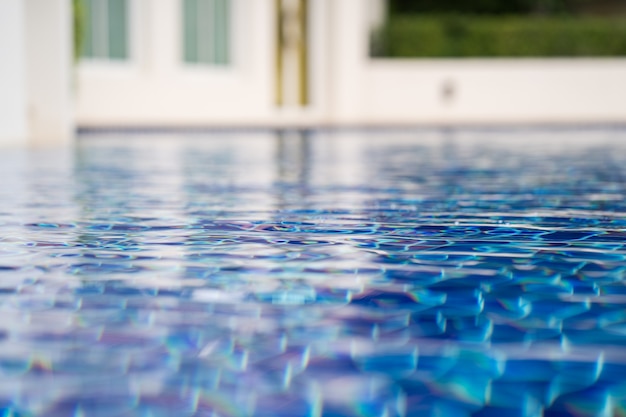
[204, 63]
[36, 71]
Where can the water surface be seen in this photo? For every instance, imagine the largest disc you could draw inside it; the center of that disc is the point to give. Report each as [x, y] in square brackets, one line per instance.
[436, 273]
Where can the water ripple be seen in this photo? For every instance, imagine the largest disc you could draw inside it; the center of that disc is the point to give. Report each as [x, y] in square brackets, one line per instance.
[461, 273]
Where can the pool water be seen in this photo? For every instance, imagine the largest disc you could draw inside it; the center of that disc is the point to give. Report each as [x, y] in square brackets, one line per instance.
[323, 274]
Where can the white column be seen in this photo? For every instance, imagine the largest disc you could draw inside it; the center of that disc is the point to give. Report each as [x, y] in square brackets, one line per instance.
[49, 70]
[253, 48]
[348, 46]
[13, 127]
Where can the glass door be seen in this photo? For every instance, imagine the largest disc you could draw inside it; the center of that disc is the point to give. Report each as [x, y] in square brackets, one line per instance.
[292, 53]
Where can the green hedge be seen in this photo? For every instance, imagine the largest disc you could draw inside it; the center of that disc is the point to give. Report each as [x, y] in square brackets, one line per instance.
[491, 36]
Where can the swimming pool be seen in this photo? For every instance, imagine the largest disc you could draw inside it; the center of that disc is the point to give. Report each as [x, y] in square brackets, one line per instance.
[434, 272]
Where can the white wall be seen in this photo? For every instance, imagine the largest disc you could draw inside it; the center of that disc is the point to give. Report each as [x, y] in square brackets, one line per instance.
[13, 127]
[49, 75]
[157, 88]
[500, 91]
[419, 91]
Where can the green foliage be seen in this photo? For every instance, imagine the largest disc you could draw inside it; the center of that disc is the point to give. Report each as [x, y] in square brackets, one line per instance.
[499, 36]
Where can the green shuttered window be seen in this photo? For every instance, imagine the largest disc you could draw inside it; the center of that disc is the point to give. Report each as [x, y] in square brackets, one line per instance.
[106, 29]
[206, 27]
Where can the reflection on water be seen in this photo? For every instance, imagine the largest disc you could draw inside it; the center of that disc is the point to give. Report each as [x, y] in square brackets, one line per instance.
[315, 274]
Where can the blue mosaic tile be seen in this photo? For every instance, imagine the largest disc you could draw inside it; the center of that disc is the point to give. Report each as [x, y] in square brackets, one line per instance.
[454, 273]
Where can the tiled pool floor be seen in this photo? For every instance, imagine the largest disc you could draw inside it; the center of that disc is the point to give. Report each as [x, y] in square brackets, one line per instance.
[428, 273]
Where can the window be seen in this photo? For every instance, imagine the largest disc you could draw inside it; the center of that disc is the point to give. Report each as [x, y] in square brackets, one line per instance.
[206, 31]
[106, 29]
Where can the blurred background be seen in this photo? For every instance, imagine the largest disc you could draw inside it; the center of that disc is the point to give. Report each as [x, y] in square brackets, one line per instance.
[491, 28]
[83, 65]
